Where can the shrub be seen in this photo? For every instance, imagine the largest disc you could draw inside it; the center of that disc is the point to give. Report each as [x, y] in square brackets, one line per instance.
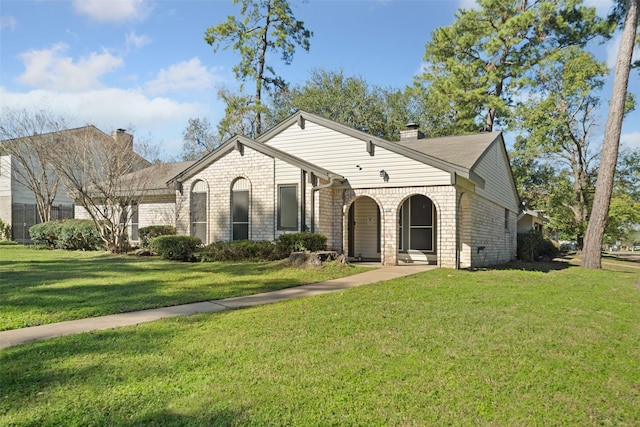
[147, 233]
[5, 231]
[296, 242]
[46, 233]
[72, 234]
[78, 234]
[533, 246]
[177, 248]
[238, 250]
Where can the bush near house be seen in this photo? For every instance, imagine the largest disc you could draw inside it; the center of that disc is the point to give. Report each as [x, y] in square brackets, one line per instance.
[249, 250]
[238, 250]
[533, 246]
[303, 241]
[146, 234]
[177, 248]
[71, 234]
[5, 231]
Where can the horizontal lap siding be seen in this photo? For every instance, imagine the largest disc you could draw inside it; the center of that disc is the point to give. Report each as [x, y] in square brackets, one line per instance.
[342, 154]
[494, 169]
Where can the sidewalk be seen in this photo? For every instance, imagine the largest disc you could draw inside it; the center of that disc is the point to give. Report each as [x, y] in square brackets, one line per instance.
[42, 332]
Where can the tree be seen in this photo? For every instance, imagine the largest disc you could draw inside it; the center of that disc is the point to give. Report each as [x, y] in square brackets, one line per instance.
[613, 128]
[29, 137]
[558, 123]
[198, 139]
[266, 26]
[477, 68]
[106, 178]
[351, 101]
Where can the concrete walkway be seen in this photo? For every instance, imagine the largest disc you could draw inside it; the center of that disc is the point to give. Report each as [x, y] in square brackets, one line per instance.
[42, 332]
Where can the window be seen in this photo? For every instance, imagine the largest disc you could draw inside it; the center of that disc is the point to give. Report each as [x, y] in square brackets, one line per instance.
[240, 210]
[506, 219]
[134, 223]
[199, 211]
[288, 207]
[416, 224]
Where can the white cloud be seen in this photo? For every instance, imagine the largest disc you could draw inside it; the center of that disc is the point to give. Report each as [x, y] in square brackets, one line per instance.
[113, 11]
[50, 69]
[612, 51]
[186, 75]
[108, 109]
[630, 140]
[8, 22]
[468, 4]
[135, 41]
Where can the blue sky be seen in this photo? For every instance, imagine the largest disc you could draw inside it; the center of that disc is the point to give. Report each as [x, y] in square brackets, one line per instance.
[143, 65]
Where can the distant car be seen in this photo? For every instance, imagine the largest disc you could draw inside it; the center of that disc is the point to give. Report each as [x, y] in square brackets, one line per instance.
[636, 248]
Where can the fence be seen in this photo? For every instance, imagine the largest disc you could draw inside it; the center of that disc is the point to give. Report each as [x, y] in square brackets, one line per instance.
[25, 215]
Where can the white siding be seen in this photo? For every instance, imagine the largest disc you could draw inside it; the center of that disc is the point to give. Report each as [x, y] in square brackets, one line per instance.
[494, 169]
[348, 156]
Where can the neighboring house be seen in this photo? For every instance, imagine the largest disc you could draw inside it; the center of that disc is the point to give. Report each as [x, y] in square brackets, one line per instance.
[17, 201]
[447, 201]
[530, 219]
[157, 202]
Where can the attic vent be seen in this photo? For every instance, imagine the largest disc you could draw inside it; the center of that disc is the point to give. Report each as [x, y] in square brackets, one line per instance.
[411, 133]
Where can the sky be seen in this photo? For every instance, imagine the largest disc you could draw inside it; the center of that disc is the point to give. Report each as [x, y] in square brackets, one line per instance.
[143, 65]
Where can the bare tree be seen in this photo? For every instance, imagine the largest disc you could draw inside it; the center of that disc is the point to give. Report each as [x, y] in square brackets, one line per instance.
[29, 137]
[613, 128]
[106, 178]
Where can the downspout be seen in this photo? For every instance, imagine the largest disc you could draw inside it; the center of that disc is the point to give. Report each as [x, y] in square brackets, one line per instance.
[313, 200]
[458, 237]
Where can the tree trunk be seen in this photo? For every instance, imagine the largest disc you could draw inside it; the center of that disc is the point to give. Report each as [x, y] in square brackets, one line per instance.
[613, 128]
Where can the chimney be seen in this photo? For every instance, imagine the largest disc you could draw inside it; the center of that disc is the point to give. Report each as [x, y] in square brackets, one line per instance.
[411, 133]
[121, 136]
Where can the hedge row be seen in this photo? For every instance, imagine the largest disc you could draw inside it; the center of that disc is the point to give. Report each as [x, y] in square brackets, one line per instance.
[185, 248]
[73, 234]
[146, 234]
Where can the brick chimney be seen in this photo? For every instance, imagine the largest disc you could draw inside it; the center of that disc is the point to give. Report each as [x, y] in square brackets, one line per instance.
[411, 133]
[123, 137]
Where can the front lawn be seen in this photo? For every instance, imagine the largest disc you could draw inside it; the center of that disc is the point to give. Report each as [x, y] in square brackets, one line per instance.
[47, 286]
[484, 348]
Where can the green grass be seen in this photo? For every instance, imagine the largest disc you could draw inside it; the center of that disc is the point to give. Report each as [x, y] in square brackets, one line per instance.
[487, 348]
[44, 286]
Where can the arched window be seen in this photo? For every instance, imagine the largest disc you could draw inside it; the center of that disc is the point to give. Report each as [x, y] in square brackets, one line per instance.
[199, 210]
[240, 204]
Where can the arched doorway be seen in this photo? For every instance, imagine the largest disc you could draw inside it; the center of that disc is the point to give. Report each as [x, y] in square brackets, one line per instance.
[199, 211]
[364, 230]
[417, 239]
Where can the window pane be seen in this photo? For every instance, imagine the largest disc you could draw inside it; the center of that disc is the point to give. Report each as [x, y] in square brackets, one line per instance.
[240, 231]
[288, 208]
[421, 239]
[199, 230]
[199, 207]
[421, 211]
[240, 206]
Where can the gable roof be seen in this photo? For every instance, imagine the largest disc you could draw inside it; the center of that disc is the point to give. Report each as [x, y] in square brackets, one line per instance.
[457, 155]
[238, 143]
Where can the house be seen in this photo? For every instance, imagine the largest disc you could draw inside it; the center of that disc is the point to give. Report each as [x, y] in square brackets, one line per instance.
[156, 202]
[17, 198]
[448, 201]
[530, 219]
